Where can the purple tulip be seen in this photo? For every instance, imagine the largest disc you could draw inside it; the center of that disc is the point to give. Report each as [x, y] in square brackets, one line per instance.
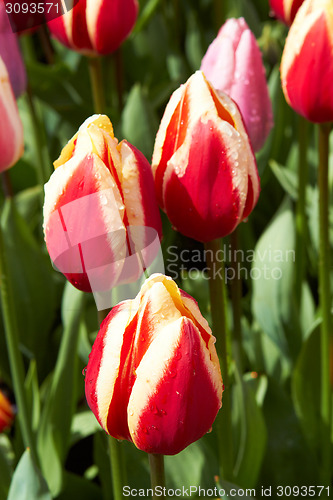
[233, 64]
[10, 54]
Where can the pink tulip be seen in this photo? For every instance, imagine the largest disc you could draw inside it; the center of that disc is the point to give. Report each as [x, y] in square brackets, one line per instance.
[11, 129]
[233, 64]
[10, 54]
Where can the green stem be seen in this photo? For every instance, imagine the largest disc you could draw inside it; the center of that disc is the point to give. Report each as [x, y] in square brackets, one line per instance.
[157, 476]
[116, 468]
[14, 354]
[41, 150]
[217, 293]
[236, 301]
[301, 223]
[96, 78]
[119, 73]
[325, 303]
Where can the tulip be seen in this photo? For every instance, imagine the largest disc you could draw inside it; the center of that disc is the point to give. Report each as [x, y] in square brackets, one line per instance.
[204, 168]
[285, 10]
[94, 27]
[6, 412]
[11, 129]
[307, 62]
[153, 375]
[11, 55]
[233, 64]
[100, 211]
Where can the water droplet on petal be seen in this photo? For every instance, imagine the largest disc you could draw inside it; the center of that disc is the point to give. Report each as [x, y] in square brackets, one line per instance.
[84, 371]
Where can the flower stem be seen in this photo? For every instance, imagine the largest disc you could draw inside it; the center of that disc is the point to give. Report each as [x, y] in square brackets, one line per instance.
[95, 71]
[115, 453]
[301, 223]
[217, 293]
[157, 476]
[325, 303]
[236, 299]
[14, 354]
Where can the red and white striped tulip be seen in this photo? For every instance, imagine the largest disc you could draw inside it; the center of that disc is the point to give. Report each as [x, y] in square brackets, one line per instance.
[307, 62]
[285, 10]
[94, 27]
[233, 64]
[205, 172]
[153, 375]
[100, 212]
[6, 412]
[11, 128]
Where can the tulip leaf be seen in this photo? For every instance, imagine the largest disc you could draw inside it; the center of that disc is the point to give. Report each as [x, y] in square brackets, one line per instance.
[32, 285]
[27, 482]
[272, 277]
[146, 14]
[195, 466]
[56, 419]
[288, 458]
[227, 490]
[139, 123]
[6, 471]
[78, 487]
[305, 391]
[253, 436]
[33, 396]
[287, 178]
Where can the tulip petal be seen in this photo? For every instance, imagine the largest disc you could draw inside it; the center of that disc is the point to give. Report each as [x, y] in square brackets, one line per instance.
[159, 421]
[11, 129]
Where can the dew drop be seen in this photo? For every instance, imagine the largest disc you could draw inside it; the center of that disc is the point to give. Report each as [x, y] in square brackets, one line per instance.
[178, 355]
[145, 430]
[84, 371]
[163, 412]
[223, 387]
[131, 413]
[173, 373]
[209, 430]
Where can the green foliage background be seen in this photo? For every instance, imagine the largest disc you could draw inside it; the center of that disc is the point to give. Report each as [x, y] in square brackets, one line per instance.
[276, 421]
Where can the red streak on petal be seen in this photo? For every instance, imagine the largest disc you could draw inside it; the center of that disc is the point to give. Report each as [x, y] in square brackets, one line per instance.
[174, 138]
[222, 112]
[79, 27]
[185, 402]
[207, 205]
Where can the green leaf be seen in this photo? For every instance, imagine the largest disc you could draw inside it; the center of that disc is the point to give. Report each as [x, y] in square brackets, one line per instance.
[305, 387]
[75, 487]
[288, 459]
[56, 419]
[272, 275]
[194, 466]
[139, 123]
[32, 285]
[287, 178]
[27, 482]
[227, 490]
[33, 397]
[252, 436]
[6, 468]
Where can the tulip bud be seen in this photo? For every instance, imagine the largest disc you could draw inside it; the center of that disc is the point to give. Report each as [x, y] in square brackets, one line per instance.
[233, 64]
[205, 171]
[285, 10]
[11, 55]
[100, 213]
[307, 62]
[11, 129]
[94, 27]
[153, 375]
[6, 412]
